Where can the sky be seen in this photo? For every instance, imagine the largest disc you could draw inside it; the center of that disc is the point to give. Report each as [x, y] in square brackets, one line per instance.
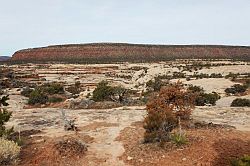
[36, 23]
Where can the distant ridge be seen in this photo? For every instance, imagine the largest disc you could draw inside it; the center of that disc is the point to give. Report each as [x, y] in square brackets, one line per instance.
[4, 58]
[121, 52]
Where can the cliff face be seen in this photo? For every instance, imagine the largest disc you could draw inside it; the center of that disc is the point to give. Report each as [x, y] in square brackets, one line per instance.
[111, 52]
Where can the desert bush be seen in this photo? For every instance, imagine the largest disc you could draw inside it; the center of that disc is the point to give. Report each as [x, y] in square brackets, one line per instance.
[202, 98]
[240, 103]
[37, 97]
[9, 152]
[237, 88]
[179, 139]
[75, 89]
[177, 75]
[201, 75]
[232, 75]
[214, 75]
[26, 92]
[52, 88]
[243, 161]
[206, 98]
[55, 99]
[196, 89]
[155, 85]
[104, 92]
[68, 147]
[4, 117]
[162, 112]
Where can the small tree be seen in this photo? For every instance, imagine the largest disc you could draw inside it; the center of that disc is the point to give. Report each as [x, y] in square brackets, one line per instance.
[4, 117]
[155, 85]
[104, 92]
[37, 97]
[173, 102]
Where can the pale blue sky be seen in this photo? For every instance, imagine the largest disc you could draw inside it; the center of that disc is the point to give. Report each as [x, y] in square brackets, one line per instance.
[33, 23]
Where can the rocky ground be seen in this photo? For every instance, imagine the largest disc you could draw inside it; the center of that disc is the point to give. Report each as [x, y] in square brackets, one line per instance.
[114, 136]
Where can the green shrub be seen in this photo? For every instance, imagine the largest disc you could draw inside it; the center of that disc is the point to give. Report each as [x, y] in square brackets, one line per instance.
[240, 103]
[203, 98]
[155, 85]
[214, 75]
[37, 97]
[104, 92]
[4, 117]
[237, 88]
[196, 89]
[54, 99]
[177, 75]
[179, 139]
[52, 88]
[206, 98]
[26, 92]
[243, 161]
[9, 152]
[232, 75]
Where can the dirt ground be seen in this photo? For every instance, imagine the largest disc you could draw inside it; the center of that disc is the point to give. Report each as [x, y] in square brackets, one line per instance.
[207, 146]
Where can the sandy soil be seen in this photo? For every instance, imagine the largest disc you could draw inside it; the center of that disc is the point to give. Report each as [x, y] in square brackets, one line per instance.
[207, 146]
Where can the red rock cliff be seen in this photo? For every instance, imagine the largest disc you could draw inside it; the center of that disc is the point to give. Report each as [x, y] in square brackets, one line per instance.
[129, 52]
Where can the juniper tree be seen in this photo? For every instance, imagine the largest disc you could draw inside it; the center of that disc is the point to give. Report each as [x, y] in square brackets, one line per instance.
[4, 117]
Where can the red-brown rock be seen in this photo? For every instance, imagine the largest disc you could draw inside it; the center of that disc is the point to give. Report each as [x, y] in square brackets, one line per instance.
[108, 52]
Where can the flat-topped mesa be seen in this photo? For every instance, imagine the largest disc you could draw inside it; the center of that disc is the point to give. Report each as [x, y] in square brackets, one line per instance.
[120, 52]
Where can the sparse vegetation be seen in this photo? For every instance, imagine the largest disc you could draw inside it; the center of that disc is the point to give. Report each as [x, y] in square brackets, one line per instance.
[155, 85]
[9, 152]
[75, 89]
[240, 103]
[26, 92]
[206, 99]
[52, 88]
[235, 89]
[203, 98]
[37, 97]
[44, 93]
[4, 118]
[55, 99]
[104, 92]
[243, 161]
[178, 139]
[195, 89]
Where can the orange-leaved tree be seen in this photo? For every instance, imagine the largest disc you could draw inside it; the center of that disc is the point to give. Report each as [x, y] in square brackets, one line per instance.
[172, 102]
